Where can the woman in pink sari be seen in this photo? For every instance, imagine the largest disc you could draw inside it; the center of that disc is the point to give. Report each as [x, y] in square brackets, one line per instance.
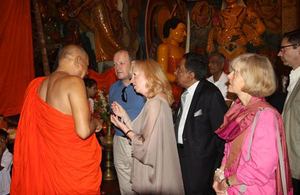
[252, 79]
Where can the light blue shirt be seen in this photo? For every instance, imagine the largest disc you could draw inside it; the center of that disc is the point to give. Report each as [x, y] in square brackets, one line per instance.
[133, 106]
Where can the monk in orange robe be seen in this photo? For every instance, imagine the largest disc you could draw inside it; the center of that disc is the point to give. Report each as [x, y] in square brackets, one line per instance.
[56, 151]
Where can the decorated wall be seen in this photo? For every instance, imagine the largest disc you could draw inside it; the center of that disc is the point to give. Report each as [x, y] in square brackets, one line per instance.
[104, 26]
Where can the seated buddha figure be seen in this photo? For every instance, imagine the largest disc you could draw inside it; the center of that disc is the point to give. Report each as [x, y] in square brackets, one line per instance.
[169, 53]
[234, 27]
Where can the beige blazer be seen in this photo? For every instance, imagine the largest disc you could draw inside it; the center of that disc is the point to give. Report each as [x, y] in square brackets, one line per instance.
[291, 119]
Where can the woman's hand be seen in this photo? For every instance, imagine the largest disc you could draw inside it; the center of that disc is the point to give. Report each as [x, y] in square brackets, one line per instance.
[120, 124]
[117, 109]
[218, 187]
[218, 178]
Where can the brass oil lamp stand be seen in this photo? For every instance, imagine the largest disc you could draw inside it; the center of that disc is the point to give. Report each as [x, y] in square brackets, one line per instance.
[109, 174]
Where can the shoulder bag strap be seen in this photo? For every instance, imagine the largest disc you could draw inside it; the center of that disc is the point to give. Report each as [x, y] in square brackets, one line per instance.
[281, 163]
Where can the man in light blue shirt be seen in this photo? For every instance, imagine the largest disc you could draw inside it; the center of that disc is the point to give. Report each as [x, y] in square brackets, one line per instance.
[122, 91]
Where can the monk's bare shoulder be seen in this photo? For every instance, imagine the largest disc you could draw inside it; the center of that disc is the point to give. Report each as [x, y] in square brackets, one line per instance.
[57, 89]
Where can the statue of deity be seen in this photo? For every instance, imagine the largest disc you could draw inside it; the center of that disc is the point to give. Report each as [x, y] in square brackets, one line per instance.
[170, 52]
[234, 27]
[106, 23]
[267, 10]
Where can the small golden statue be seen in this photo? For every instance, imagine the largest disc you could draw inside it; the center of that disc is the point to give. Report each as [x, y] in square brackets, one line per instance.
[233, 28]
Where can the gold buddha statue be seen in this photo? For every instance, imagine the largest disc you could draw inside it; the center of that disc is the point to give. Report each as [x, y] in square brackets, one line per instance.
[170, 52]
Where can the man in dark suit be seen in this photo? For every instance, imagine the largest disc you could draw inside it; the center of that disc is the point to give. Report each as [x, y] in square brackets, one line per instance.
[199, 114]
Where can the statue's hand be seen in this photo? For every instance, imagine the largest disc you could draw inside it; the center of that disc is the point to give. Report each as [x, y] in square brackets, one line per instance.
[242, 40]
[75, 13]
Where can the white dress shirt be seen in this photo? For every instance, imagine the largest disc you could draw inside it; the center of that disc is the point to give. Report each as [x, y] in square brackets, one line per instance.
[185, 110]
[221, 84]
[294, 77]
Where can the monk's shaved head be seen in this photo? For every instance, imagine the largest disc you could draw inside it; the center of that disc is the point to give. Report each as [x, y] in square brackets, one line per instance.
[69, 52]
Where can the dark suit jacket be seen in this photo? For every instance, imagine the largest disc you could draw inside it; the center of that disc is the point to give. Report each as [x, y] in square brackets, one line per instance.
[203, 149]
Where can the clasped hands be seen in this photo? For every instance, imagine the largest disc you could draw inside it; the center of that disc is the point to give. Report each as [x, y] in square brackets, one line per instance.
[219, 184]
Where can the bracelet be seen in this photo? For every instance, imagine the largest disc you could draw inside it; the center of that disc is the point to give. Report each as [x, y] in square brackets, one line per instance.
[227, 181]
[219, 170]
[128, 132]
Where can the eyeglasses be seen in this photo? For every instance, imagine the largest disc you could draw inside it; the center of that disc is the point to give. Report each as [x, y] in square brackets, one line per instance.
[283, 48]
[124, 94]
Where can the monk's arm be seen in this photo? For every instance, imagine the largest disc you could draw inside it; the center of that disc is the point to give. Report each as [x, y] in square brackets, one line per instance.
[80, 109]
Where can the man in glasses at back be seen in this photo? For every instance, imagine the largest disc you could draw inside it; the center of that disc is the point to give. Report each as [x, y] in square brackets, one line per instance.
[122, 91]
[290, 56]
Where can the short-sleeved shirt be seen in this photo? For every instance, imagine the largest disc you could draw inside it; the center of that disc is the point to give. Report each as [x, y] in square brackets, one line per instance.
[133, 106]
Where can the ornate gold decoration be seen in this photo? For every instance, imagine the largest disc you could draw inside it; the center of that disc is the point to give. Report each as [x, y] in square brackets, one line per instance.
[230, 19]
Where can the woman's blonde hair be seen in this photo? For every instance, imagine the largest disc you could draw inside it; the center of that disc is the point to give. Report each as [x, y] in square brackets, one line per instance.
[157, 81]
[258, 73]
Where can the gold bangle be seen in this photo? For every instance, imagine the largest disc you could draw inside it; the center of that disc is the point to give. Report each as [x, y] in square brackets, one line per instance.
[128, 132]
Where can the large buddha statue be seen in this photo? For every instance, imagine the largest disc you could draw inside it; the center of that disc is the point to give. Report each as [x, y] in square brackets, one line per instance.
[234, 27]
[170, 52]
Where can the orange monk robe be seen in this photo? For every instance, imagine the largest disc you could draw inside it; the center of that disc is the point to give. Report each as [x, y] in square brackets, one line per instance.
[49, 157]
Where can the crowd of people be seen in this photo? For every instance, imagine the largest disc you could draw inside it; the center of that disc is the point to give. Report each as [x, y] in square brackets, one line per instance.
[213, 142]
